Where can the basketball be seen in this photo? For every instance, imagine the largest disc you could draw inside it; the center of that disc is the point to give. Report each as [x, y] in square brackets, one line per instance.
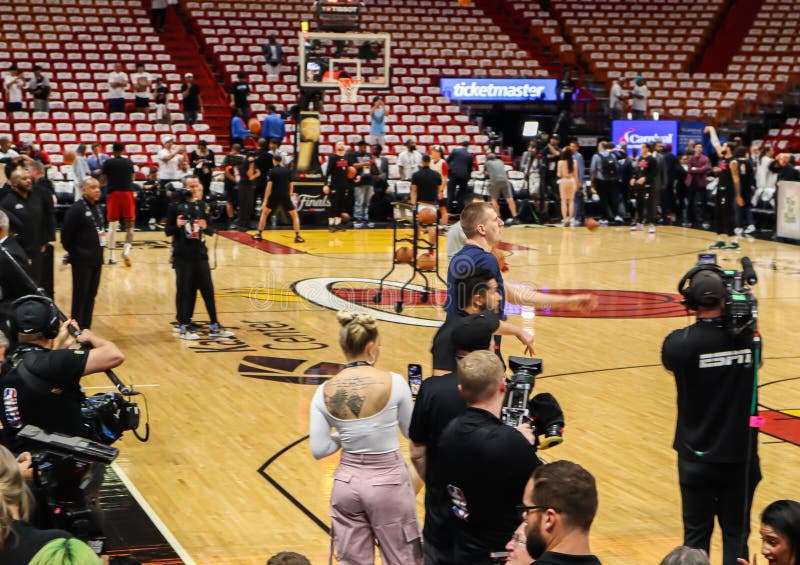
[591, 224]
[404, 254]
[426, 216]
[351, 172]
[501, 259]
[345, 217]
[426, 261]
[69, 157]
[254, 125]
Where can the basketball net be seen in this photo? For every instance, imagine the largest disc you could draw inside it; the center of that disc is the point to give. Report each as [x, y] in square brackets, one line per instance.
[348, 90]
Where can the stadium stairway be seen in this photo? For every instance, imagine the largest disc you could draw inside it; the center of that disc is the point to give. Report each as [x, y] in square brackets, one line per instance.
[730, 33]
[185, 51]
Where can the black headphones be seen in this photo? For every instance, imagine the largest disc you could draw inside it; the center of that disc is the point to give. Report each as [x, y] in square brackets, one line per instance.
[49, 329]
[690, 300]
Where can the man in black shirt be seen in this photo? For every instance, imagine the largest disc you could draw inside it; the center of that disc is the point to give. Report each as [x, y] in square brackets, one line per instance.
[558, 508]
[714, 376]
[484, 463]
[747, 184]
[11, 284]
[728, 195]
[240, 90]
[644, 183]
[336, 186]
[83, 236]
[31, 210]
[426, 184]
[42, 384]
[192, 104]
[278, 193]
[121, 205]
[187, 221]
[460, 164]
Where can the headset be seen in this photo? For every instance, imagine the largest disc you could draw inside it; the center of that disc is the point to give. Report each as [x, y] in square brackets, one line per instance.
[50, 329]
[685, 287]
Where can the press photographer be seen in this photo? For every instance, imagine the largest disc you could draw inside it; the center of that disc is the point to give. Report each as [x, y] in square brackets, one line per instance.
[715, 362]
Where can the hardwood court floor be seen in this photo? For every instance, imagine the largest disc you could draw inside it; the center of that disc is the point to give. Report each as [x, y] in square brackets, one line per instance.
[221, 410]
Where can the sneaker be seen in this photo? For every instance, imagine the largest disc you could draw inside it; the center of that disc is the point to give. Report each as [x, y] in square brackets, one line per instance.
[298, 239]
[637, 227]
[651, 229]
[232, 226]
[112, 261]
[332, 228]
[732, 245]
[127, 259]
[509, 222]
[618, 219]
[358, 225]
[603, 222]
[218, 331]
[718, 245]
[738, 232]
[188, 334]
[370, 224]
[176, 328]
[750, 229]
[686, 224]
[257, 236]
[706, 225]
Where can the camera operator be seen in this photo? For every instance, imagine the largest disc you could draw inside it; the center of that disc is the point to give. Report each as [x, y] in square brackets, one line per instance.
[484, 463]
[187, 221]
[41, 380]
[714, 374]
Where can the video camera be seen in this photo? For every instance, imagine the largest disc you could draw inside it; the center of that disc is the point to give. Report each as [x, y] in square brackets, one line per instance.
[741, 306]
[65, 472]
[107, 415]
[542, 411]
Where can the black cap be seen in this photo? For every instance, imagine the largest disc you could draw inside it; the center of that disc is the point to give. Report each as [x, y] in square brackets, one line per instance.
[474, 332]
[202, 143]
[707, 288]
[33, 316]
[362, 142]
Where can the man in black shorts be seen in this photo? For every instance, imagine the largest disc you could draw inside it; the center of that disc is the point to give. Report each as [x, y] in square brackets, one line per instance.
[336, 185]
[279, 194]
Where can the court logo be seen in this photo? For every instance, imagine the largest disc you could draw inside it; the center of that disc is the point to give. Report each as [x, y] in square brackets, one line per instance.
[283, 370]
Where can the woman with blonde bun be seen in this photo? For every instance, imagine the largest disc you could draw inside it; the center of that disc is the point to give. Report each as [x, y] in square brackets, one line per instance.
[359, 411]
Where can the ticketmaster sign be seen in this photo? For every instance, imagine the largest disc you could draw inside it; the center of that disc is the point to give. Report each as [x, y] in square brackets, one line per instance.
[500, 89]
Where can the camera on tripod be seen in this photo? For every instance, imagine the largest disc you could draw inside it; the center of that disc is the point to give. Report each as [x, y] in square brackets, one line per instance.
[541, 412]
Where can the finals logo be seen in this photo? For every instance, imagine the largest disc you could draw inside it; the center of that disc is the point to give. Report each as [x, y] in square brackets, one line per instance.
[283, 370]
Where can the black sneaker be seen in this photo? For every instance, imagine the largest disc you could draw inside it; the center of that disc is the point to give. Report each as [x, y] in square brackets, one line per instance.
[257, 236]
[298, 239]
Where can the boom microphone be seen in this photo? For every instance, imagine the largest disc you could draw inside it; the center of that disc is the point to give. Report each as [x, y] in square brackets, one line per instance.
[748, 272]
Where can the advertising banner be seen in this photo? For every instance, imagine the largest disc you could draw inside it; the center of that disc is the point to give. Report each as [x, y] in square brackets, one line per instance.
[499, 89]
[635, 132]
[689, 131]
[788, 201]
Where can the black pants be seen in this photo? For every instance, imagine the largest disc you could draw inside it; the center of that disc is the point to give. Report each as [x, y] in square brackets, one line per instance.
[645, 205]
[247, 203]
[605, 191]
[158, 17]
[85, 282]
[717, 489]
[724, 210]
[191, 276]
[337, 197]
[696, 208]
[669, 205]
[457, 189]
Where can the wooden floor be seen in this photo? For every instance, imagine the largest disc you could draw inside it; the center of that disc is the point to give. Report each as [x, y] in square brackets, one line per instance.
[220, 411]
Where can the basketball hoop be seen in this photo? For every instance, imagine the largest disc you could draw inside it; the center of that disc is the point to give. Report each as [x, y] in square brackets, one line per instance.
[348, 89]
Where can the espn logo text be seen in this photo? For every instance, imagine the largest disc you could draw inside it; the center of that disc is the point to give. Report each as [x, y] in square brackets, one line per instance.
[726, 359]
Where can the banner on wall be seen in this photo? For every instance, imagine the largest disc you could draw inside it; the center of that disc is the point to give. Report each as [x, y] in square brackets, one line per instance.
[690, 131]
[500, 89]
[788, 201]
[636, 132]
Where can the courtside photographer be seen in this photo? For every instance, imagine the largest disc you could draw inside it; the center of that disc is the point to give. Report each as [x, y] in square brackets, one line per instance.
[715, 362]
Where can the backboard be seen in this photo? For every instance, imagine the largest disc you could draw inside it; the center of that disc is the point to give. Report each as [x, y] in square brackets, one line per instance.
[326, 57]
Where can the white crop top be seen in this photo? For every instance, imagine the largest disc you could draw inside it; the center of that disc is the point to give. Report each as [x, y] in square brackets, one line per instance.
[371, 435]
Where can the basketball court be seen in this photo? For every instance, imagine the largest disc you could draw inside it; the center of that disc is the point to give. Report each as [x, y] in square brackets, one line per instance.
[228, 469]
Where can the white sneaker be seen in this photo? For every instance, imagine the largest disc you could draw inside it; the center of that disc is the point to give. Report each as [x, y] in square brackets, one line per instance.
[126, 257]
[651, 229]
[738, 232]
[750, 229]
[636, 227]
[219, 331]
[189, 335]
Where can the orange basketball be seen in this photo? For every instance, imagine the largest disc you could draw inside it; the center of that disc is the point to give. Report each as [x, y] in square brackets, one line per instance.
[404, 254]
[345, 217]
[254, 125]
[426, 216]
[69, 157]
[426, 261]
[591, 224]
[351, 172]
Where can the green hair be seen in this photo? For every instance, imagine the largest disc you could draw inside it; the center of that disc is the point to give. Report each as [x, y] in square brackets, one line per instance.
[63, 551]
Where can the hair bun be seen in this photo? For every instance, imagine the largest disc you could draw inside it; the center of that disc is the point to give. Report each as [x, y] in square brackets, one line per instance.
[345, 317]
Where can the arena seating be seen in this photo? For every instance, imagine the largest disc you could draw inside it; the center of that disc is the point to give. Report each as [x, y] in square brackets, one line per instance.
[441, 40]
[77, 44]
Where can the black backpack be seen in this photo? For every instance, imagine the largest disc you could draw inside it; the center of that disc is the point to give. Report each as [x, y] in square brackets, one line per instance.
[609, 166]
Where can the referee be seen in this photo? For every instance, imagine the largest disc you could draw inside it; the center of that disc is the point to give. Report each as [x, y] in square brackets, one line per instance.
[278, 193]
[83, 237]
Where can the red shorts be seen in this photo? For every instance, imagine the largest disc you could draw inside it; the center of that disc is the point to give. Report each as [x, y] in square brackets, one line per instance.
[121, 205]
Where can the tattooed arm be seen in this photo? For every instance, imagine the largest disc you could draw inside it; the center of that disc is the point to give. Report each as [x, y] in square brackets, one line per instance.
[323, 441]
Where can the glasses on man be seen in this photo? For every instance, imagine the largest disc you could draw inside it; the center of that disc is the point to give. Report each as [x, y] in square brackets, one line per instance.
[523, 509]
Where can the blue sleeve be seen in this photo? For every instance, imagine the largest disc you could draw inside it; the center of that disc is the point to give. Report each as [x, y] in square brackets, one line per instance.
[594, 165]
[265, 128]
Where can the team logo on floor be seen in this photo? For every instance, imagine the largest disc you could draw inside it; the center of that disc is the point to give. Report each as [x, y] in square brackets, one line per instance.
[283, 370]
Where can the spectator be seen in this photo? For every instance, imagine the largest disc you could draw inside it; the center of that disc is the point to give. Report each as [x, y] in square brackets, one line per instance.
[460, 164]
[117, 85]
[603, 176]
[765, 178]
[142, 88]
[366, 406]
[161, 97]
[169, 160]
[380, 207]
[239, 131]
[9, 159]
[273, 126]
[517, 549]
[529, 165]
[616, 101]
[203, 163]
[192, 103]
[696, 180]
[558, 508]
[639, 96]
[362, 162]
[580, 203]
[273, 56]
[783, 168]
[96, 160]
[12, 83]
[39, 87]
[158, 14]
[66, 551]
[240, 90]
[19, 541]
[288, 558]
[377, 121]
[495, 171]
[409, 160]
[780, 534]
[567, 172]
[80, 170]
[551, 155]
[683, 555]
